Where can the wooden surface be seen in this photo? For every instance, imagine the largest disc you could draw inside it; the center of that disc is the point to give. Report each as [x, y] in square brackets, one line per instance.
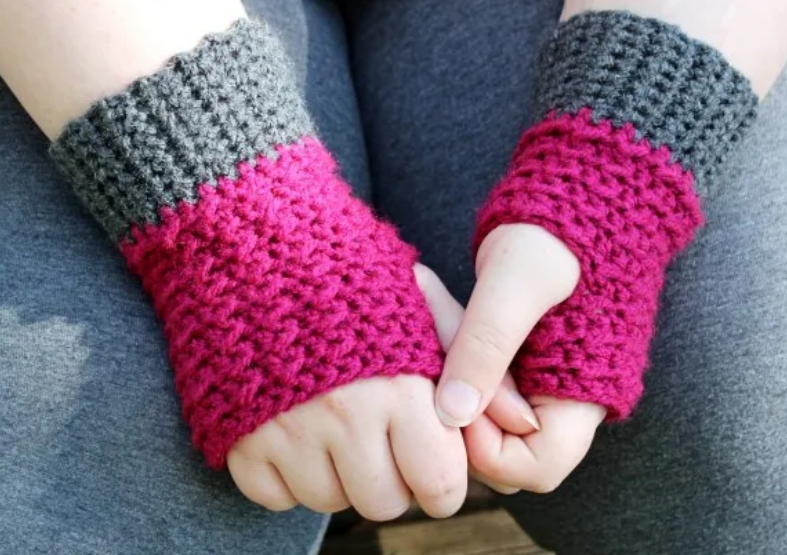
[490, 532]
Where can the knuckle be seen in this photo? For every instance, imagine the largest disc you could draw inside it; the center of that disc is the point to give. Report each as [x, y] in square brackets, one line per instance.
[437, 486]
[280, 505]
[490, 342]
[329, 505]
[435, 491]
[410, 391]
[444, 509]
[545, 485]
[383, 512]
[340, 405]
[442, 495]
[272, 502]
[506, 490]
[379, 499]
[324, 497]
[486, 465]
[252, 495]
[272, 496]
[286, 428]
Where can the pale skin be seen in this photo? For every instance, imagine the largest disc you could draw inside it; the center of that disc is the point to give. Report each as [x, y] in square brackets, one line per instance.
[512, 286]
[379, 443]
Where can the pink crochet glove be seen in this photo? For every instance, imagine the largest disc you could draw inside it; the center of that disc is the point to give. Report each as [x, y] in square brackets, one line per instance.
[634, 119]
[273, 282]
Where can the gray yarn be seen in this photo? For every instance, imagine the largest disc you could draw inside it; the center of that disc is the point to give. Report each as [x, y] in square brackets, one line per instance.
[676, 91]
[227, 101]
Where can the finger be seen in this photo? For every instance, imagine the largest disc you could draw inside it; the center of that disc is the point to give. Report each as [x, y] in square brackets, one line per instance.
[499, 488]
[312, 478]
[509, 410]
[484, 436]
[490, 454]
[260, 482]
[369, 475]
[299, 455]
[430, 456]
[446, 311]
[568, 429]
[541, 461]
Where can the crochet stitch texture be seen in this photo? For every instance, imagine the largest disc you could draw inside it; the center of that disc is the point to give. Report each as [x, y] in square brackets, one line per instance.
[626, 210]
[632, 114]
[274, 284]
[276, 287]
[227, 101]
[674, 90]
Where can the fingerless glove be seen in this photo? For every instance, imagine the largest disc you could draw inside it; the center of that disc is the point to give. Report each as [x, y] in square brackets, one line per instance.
[633, 119]
[274, 284]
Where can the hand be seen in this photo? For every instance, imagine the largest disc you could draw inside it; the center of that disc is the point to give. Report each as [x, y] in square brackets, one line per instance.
[512, 446]
[523, 271]
[509, 454]
[372, 444]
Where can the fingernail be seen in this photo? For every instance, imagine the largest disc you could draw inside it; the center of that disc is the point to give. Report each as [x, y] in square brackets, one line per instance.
[525, 410]
[532, 420]
[458, 403]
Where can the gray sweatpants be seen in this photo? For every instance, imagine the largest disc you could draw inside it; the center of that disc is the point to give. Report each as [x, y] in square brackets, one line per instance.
[422, 102]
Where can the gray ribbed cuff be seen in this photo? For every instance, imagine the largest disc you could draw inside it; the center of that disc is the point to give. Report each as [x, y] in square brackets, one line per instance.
[676, 91]
[229, 100]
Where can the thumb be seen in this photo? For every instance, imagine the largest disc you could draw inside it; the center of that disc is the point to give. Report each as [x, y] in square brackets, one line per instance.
[523, 271]
[507, 409]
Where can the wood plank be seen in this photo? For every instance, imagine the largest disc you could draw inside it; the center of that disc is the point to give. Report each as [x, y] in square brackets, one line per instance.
[483, 533]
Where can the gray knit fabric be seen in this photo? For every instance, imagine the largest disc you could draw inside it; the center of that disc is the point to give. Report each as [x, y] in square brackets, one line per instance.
[676, 91]
[227, 101]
